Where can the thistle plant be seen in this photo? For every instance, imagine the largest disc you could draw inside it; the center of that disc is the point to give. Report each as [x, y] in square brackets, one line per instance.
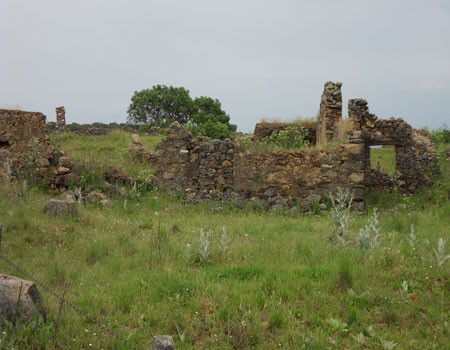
[340, 213]
[405, 287]
[188, 252]
[369, 235]
[224, 242]
[204, 245]
[439, 253]
[412, 237]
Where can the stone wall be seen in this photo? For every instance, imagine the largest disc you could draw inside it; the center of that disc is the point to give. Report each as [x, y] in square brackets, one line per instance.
[207, 169]
[26, 150]
[199, 168]
[96, 129]
[416, 158]
[203, 169]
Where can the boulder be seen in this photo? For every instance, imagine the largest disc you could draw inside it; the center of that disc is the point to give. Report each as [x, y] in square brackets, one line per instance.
[61, 207]
[162, 342]
[20, 299]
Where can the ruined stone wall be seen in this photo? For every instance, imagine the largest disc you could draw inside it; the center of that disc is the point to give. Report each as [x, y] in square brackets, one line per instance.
[26, 150]
[330, 114]
[207, 169]
[198, 168]
[304, 176]
[416, 158]
[203, 169]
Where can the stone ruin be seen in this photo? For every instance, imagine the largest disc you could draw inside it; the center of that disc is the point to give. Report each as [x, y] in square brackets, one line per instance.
[60, 118]
[200, 168]
[26, 151]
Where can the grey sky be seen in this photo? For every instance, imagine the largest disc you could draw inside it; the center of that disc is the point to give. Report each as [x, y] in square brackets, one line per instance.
[260, 58]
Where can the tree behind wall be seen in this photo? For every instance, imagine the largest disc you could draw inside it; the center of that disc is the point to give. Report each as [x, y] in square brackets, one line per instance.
[210, 120]
[161, 106]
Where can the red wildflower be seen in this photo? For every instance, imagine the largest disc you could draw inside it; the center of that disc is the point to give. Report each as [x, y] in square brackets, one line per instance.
[413, 297]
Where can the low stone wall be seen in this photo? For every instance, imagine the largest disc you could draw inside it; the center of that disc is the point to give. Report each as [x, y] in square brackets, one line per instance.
[288, 177]
[26, 150]
[99, 128]
[207, 169]
[203, 169]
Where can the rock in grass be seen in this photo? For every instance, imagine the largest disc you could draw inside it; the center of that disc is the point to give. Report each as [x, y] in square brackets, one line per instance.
[162, 342]
[60, 208]
[19, 299]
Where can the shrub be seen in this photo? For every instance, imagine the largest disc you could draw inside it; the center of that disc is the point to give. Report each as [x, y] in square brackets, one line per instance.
[441, 136]
[291, 138]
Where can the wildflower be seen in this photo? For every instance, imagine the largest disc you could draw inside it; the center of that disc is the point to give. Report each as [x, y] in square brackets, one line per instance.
[413, 298]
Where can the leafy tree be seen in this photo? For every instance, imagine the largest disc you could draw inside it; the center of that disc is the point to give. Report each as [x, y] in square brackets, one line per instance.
[210, 120]
[161, 105]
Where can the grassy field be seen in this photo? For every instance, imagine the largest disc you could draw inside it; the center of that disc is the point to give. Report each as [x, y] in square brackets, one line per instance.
[274, 281]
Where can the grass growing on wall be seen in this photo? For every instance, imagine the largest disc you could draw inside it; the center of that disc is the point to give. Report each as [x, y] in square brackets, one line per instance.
[103, 152]
[281, 282]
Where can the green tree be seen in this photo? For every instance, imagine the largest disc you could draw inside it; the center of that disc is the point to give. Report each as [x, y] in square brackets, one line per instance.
[210, 120]
[161, 105]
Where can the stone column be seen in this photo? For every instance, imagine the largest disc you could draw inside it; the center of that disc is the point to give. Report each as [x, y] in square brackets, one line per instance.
[60, 118]
[330, 112]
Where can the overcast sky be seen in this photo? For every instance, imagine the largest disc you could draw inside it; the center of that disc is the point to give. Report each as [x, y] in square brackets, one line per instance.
[260, 58]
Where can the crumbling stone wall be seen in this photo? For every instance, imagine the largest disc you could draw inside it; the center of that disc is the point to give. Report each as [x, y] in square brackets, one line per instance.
[203, 169]
[207, 169]
[330, 114]
[415, 156]
[302, 177]
[198, 168]
[26, 150]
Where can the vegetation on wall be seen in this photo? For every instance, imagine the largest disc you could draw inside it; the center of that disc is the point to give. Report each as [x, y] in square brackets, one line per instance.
[291, 138]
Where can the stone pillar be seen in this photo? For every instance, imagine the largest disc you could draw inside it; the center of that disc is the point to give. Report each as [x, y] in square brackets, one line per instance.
[60, 118]
[330, 112]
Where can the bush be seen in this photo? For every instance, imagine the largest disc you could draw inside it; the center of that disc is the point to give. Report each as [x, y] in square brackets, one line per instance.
[291, 138]
[441, 136]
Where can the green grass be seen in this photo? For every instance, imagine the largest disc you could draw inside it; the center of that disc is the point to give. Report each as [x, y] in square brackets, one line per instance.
[282, 284]
[383, 159]
[103, 152]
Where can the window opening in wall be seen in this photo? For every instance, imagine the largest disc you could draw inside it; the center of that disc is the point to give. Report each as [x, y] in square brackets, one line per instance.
[382, 158]
[382, 167]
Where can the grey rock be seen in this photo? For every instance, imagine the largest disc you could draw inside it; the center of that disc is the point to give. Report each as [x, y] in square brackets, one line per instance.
[68, 195]
[20, 298]
[162, 342]
[60, 208]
